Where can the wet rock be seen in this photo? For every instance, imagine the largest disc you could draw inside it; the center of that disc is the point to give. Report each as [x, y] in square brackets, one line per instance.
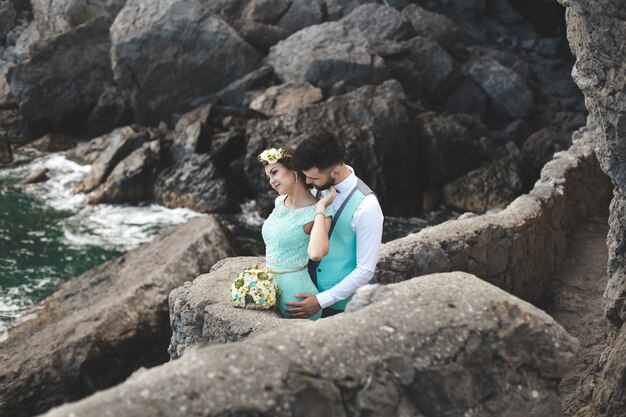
[132, 180]
[494, 185]
[39, 176]
[111, 111]
[195, 183]
[6, 155]
[119, 144]
[45, 85]
[360, 362]
[508, 93]
[325, 54]
[301, 14]
[54, 142]
[374, 123]
[431, 25]
[99, 327]
[378, 22]
[149, 56]
[541, 146]
[280, 99]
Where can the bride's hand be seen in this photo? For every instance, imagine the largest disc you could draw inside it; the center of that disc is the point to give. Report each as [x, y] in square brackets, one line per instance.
[327, 200]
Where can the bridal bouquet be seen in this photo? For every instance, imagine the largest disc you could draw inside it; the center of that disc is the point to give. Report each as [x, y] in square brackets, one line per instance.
[254, 288]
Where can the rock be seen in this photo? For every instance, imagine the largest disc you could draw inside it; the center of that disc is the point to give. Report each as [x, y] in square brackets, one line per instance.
[96, 329]
[325, 54]
[265, 11]
[132, 180]
[6, 156]
[111, 111]
[261, 35]
[39, 176]
[194, 183]
[517, 132]
[436, 67]
[508, 93]
[120, 143]
[278, 100]
[373, 122]
[235, 93]
[494, 185]
[451, 148]
[431, 25]
[361, 362]
[85, 153]
[7, 18]
[53, 142]
[378, 22]
[468, 98]
[301, 14]
[541, 146]
[58, 16]
[337, 9]
[25, 39]
[149, 57]
[12, 126]
[200, 312]
[615, 292]
[45, 85]
[6, 98]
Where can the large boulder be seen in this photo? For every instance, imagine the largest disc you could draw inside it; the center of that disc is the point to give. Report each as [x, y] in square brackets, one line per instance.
[118, 145]
[435, 26]
[132, 180]
[45, 86]
[480, 352]
[326, 54]
[280, 99]
[58, 16]
[491, 186]
[301, 14]
[6, 155]
[376, 126]
[378, 22]
[7, 18]
[164, 59]
[508, 93]
[336, 9]
[98, 328]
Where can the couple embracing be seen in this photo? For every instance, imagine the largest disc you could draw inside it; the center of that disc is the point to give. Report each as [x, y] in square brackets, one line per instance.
[320, 248]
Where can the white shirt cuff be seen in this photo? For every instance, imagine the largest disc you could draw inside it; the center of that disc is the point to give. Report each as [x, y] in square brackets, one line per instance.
[325, 299]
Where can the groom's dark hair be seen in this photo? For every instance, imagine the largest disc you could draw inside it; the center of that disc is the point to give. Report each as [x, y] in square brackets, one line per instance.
[320, 149]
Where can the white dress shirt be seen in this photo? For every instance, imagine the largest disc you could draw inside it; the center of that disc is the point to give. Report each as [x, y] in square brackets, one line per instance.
[367, 223]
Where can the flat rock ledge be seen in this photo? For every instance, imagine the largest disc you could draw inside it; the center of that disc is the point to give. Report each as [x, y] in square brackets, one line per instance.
[200, 311]
[519, 247]
[98, 328]
[439, 345]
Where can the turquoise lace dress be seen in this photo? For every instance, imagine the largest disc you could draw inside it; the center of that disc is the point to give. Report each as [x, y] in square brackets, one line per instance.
[286, 246]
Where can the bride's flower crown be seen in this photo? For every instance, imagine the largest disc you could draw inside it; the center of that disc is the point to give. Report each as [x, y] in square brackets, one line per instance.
[271, 156]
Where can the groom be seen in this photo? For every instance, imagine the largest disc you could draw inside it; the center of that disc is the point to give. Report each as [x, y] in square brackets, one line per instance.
[356, 231]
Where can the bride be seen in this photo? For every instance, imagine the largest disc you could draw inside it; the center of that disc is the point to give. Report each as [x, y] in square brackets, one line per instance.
[295, 231]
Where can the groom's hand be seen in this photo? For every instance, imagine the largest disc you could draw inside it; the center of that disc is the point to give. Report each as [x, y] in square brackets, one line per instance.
[305, 308]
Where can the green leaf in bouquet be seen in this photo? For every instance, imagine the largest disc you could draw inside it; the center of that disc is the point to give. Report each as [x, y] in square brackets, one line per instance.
[249, 299]
[239, 283]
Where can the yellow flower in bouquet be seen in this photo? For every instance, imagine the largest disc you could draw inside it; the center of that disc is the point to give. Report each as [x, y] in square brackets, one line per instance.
[254, 288]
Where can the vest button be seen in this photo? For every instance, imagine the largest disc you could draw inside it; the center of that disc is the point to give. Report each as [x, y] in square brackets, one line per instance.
[319, 269]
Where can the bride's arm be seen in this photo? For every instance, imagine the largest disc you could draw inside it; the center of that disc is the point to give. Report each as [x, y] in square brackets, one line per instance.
[318, 243]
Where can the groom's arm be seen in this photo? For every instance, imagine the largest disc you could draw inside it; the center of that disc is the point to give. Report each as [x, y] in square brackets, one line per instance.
[368, 226]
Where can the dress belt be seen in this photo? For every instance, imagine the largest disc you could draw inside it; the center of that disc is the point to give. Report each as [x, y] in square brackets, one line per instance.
[276, 271]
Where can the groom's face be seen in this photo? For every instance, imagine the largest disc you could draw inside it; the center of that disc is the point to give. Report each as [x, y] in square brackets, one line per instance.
[322, 179]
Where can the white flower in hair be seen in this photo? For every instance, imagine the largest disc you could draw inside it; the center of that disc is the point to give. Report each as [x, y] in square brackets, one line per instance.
[271, 156]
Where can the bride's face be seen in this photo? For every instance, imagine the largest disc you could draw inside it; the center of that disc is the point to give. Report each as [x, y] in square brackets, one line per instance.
[280, 178]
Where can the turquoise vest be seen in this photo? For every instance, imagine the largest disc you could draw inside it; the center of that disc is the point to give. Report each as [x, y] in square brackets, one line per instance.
[341, 259]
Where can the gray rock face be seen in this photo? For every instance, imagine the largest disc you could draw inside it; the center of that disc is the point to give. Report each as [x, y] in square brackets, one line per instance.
[119, 144]
[337, 9]
[6, 155]
[111, 111]
[541, 146]
[365, 362]
[132, 180]
[7, 18]
[373, 122]
[507, 92]
[301, 14]
[200, 311]
[45, 86]
[166, 53]
[517, 248]
[378, 21]
[58, 16]
[281, 99]
[435, 26]
[491, 186]
[434, 64]
[97, 328]
[326, 54]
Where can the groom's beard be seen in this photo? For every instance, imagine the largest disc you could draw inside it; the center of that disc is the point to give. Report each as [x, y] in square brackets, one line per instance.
[326, 186]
